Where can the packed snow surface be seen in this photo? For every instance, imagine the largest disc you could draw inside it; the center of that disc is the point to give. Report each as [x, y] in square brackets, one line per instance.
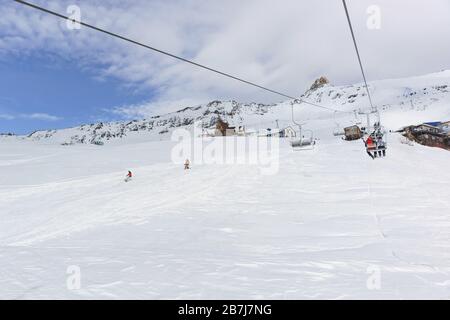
[319, 228]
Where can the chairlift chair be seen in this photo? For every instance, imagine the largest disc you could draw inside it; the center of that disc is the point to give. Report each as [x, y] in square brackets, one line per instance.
[358, 120]
[302, 142]
[377, 148]
[338, 131]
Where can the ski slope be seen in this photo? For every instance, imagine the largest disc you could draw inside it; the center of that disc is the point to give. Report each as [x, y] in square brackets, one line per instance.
[315, 230]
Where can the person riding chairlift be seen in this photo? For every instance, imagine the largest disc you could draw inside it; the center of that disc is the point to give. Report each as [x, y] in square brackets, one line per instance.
[381, 146]
[370, 145]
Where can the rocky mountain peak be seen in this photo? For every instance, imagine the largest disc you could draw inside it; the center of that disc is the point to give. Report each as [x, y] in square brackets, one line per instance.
[319, 83]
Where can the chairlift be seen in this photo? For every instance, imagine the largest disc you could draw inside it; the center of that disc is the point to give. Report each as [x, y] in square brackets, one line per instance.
[376, 142]
[338, 131]
[305, 142]
[302, 142]
[358, 121]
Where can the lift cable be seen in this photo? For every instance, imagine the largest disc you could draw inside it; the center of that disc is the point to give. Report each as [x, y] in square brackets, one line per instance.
[172, 55]
[357, 52]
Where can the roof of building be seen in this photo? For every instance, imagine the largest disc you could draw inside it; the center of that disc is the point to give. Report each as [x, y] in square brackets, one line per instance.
[433, 123]
[427, 125]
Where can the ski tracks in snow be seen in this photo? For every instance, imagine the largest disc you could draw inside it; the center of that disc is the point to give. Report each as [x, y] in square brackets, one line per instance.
[154, 190]
[372, 176]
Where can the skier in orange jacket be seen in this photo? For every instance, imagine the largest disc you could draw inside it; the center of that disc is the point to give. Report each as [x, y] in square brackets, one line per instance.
[128, 176]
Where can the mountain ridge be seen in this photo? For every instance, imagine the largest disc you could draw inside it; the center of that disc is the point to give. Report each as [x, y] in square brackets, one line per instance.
[418, 98]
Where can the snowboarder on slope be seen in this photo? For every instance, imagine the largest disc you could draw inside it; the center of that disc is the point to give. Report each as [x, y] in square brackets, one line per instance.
[128, 176]
[186, 164]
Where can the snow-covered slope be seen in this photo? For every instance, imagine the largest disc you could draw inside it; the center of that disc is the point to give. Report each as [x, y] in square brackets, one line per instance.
[328, 223]
[401, 101]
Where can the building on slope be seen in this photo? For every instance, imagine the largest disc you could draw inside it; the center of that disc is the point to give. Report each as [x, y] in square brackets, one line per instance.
[223, 128]
[353, 133]
[431, 134]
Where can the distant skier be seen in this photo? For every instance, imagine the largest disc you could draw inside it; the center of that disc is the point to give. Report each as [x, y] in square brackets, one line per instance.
[129, 176]
[187, 164]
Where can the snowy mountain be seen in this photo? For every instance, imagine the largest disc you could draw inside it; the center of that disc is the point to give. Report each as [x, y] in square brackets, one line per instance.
[401, 102]
[156, 127]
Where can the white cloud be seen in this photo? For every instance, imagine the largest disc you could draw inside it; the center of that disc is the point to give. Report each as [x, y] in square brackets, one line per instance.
[40, 116]
[7, 117]
[30, 116]
[284, 44]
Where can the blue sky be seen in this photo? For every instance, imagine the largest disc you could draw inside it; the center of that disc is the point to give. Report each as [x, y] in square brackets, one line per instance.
[42, 86]
[53, 77]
